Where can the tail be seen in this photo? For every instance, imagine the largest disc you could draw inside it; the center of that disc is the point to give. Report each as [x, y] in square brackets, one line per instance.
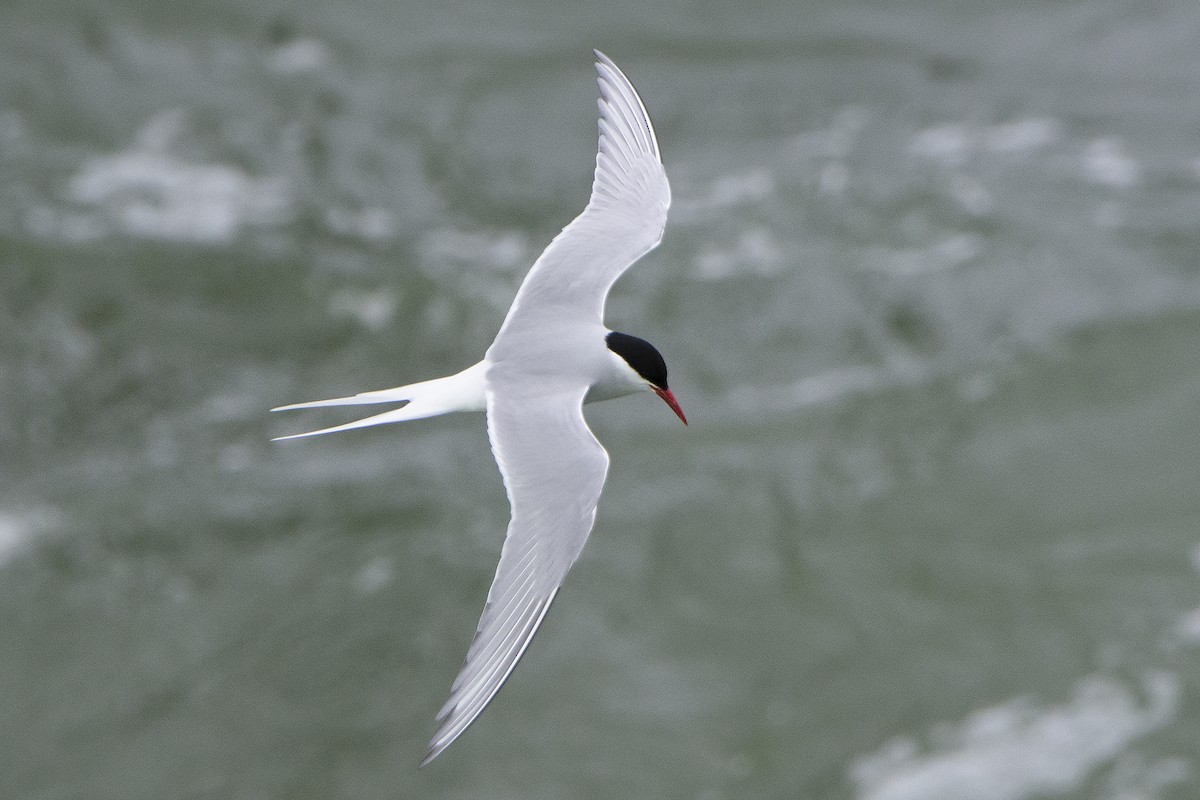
[463, 391]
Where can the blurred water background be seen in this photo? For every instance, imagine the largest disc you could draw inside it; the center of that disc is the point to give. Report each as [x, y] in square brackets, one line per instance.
[930, 295]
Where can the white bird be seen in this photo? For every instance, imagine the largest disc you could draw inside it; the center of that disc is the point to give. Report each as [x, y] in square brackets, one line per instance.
[552, 354]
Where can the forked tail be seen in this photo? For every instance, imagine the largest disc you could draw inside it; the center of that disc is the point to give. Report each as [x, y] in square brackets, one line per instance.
[463, 391]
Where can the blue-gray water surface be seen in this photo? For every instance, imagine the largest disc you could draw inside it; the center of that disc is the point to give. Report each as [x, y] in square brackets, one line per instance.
[929, 293]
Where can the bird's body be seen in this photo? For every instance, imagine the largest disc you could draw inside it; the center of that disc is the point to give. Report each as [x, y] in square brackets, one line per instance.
[552, 354]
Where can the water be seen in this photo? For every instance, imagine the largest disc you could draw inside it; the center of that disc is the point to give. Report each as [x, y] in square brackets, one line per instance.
[930, 295]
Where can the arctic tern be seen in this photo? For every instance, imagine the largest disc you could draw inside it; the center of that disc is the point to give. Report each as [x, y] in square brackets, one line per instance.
[552, 355]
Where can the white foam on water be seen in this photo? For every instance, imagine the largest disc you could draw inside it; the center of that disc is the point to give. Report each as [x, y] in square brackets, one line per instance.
[372, 309]
[299, 56]
[64, 225]
[145, 191]
[949, 145]
[1022, 135]
[373, 224]
[448, 249]
[1018, 750]
[755, 252]
[836, 141]
[947, 253]
[18, 529]
[1105, 162]
[158, 196]
[834, 386]
[1187, 626]
[13, 128]
[744, 187]
[740, 188]
[374, 575]
[826, 388]
[972, 195]
[954, 143]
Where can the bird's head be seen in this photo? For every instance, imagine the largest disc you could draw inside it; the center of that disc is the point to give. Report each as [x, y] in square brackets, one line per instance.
[648, 365]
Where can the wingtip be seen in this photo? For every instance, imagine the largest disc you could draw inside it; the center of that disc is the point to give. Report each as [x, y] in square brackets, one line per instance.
[437, 746]
[605, 65]
[606, 68]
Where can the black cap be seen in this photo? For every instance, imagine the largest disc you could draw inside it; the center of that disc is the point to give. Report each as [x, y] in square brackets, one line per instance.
[641, 356]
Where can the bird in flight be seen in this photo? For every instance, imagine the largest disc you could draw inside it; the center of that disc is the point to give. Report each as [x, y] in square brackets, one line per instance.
[552, 355]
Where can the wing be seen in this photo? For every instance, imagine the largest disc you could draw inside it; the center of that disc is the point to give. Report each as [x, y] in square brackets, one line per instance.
[553, 471]
[623, 220]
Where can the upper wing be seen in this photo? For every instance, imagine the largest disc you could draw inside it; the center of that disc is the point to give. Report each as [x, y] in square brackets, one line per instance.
[553, 471]
[623, 220]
